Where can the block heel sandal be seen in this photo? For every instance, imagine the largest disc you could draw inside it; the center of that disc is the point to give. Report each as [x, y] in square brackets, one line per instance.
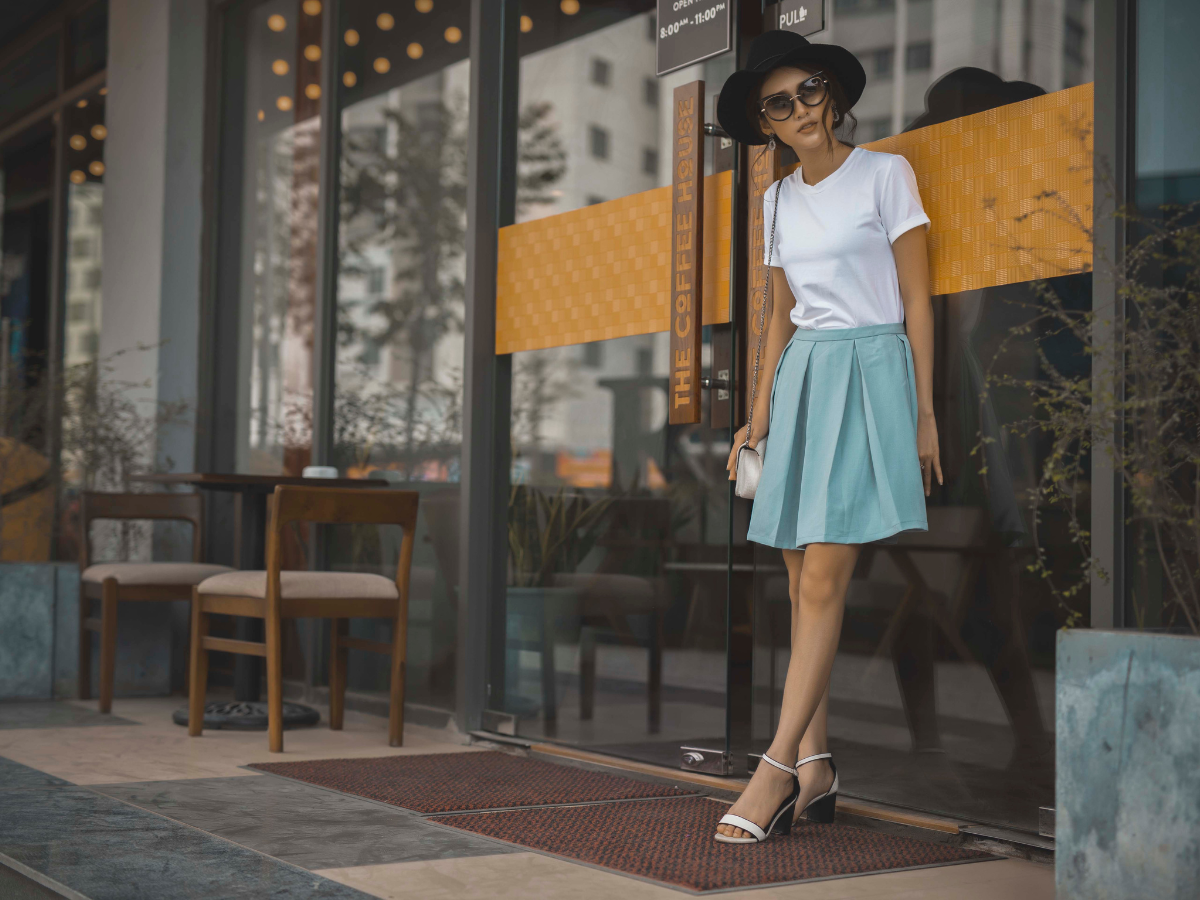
[821, 809]
[781, 822]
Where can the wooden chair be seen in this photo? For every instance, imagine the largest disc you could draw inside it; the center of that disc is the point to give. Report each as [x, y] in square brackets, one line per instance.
[275, 595]
[116, 582]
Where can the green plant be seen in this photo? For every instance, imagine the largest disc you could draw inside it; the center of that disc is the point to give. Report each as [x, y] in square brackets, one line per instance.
[1138, 403]
[551, 532]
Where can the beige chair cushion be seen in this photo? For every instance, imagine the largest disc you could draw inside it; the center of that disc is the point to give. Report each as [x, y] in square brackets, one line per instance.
[132, 573]
[303, 585]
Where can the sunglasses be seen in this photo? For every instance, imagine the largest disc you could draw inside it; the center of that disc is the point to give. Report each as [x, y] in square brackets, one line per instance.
[779, 107]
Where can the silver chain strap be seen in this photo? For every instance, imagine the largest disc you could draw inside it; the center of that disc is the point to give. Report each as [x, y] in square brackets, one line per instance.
[762, 316]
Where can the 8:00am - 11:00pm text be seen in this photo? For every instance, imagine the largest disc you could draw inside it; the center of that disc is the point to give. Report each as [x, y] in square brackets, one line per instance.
[699, 18]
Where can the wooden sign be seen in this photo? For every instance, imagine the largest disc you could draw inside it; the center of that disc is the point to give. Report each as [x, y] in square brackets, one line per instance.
[763, 166]
[687, 246]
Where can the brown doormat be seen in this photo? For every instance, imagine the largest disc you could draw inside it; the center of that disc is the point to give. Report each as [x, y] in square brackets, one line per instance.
[672, 841]
[454, 782]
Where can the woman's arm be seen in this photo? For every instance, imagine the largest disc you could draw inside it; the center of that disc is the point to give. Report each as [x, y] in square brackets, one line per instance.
[912, 267]
[780, 329]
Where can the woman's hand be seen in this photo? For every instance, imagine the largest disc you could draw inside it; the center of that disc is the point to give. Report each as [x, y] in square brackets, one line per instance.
[739, 438]
[927, 450]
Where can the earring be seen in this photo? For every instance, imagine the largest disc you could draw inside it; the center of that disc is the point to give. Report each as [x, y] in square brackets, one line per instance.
[835, 113]
[771, 143]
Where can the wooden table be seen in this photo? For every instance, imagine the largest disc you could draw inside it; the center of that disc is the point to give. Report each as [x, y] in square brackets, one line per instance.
[249, 538]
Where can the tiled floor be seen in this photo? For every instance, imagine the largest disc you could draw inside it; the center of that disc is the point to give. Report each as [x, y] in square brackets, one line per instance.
[129, 806]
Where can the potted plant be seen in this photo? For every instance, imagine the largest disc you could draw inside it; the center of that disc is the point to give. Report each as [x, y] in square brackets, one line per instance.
[548, 533]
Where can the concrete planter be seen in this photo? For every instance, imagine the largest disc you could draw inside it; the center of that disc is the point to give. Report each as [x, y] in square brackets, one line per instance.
[1128, 759]
[39, 637]
[39, 630]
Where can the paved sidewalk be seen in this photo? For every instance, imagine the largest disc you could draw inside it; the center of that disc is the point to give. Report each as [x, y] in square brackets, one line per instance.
[130, 806]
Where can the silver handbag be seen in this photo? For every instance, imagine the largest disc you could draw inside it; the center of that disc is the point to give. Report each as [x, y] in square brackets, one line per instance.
[749, 460]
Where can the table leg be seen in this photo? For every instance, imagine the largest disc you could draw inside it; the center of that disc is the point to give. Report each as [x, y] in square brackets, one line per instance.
[250, 521]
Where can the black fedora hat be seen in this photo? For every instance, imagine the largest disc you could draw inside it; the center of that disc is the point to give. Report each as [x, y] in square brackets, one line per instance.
[968, 90]
[771, 50]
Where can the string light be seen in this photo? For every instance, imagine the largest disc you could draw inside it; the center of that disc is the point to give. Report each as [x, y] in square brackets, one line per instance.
[351, 38]
[77, 142]
[453, 35]
[312, 52]
[261, 115]
[570, 7]
[82, 104]
[99, 132]
[385, 21]
[284, 103]
[526, 24]
[96, 167]
[349, 79]
[312, 7]
[312, 91]
[382, 65]
[414, 50]
[276, 22]
[423, 6]
[280, 67]
[77, 176]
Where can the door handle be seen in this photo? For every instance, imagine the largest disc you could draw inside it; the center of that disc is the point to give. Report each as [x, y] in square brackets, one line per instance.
[720, 382]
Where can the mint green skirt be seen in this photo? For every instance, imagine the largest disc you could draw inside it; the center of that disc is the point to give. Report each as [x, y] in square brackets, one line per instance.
[841, 465]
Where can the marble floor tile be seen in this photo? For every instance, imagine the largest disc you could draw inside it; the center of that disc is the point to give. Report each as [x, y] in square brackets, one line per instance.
[522, 875]
[160, 750]
[52, 714]
[305, 825]
[108, 850]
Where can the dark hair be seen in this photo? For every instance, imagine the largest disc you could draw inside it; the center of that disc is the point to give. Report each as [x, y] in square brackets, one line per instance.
[837, 96]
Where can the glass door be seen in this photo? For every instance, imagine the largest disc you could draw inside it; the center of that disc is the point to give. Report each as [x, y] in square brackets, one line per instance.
[942, 692]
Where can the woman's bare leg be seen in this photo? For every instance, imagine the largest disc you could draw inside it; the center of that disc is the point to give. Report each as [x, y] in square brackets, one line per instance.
[825, 571]
[817, 777]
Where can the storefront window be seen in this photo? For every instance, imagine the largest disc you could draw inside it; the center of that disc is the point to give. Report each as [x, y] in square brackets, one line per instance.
[918, 50]
[1160, 555]
[615, 609]
[86, 134]
[404, 104]
[280, 102]
[942, 693]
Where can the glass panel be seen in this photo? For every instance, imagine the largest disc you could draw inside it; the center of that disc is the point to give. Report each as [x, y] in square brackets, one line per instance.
[957, 50]
[86, 134]
[616, 607]
[1160, 550]
[88, 40]
[26, 182]
[618, 531]
[404, 107]
[280, 102]
[29, 80]
[942, 692]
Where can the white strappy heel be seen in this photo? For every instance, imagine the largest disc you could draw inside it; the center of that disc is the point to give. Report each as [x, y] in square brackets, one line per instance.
[781, 822]
[821, 809]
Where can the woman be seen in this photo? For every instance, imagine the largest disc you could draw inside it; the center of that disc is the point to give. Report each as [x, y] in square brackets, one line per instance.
[844, 386]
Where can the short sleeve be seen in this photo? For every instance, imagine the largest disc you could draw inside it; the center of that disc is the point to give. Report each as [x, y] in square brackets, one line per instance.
[900, 207]
[768, 215]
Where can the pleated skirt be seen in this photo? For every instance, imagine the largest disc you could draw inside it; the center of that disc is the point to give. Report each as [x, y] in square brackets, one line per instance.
[841, 464]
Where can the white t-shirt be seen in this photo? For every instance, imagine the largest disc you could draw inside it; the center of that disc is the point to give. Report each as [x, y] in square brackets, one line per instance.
[834, 239]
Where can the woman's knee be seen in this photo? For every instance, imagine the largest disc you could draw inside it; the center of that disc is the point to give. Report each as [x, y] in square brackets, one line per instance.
[818, 588]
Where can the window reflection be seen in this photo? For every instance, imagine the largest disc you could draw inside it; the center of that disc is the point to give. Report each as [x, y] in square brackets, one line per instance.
[278, 277]
[618, 522]
[942, 690]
